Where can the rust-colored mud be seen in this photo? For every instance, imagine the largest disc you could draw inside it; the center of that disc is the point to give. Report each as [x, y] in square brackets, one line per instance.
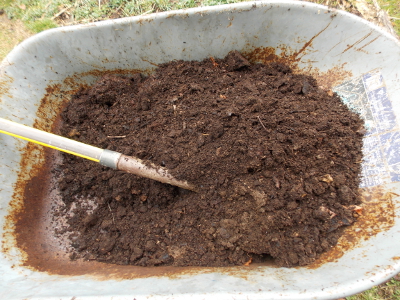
[17, 205]
[326, 79]
[377, 216]
[32, 160]
[357, 42]
[296, 56]
[5, 82]
[293, 58]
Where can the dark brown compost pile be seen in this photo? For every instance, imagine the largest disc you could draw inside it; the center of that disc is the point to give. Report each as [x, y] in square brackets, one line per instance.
[277, 161]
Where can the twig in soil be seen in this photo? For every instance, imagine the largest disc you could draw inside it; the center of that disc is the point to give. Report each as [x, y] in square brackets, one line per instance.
[112, 215]
[116, 136]
[297, 111]
[343, 165]
[276, 181]
[259, 119]
[213, 62]
[248, 262]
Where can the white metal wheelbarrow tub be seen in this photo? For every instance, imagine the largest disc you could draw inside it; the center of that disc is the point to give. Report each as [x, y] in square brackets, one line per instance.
[344, 52]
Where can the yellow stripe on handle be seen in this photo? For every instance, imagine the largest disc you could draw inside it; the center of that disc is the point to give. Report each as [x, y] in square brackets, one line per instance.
[50, 146]
[50, 140]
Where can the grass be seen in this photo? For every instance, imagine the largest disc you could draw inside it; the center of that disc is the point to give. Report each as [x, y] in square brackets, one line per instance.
[31, 13]
[393, 9]
[40, 25]
[37, 15]
[44, 14]
[387, 291]
[11, 34]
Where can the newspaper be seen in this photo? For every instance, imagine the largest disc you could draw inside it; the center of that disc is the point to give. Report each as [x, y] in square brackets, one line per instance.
[367, 95]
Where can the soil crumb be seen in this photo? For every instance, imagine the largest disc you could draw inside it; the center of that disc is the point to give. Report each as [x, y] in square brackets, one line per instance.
[276, 158]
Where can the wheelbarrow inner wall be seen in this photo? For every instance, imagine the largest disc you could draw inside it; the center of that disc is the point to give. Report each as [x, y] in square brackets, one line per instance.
[314, 38]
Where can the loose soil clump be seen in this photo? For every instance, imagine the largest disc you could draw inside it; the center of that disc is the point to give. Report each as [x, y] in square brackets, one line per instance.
[276, 159]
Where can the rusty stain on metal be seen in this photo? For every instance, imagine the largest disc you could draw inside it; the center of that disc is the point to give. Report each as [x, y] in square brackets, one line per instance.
[370, 42]
[357, 42]
[309, 43]
[30, 165]
[337, 44]
[145, 19]
[48, 109]
[76, 84]
[378, 216]
[106, 60]
[32, 159]
[326, 80]
[5, 82]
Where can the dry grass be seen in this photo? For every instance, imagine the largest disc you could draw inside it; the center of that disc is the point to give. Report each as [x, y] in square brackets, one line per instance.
[387, 291]
[11, 34]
